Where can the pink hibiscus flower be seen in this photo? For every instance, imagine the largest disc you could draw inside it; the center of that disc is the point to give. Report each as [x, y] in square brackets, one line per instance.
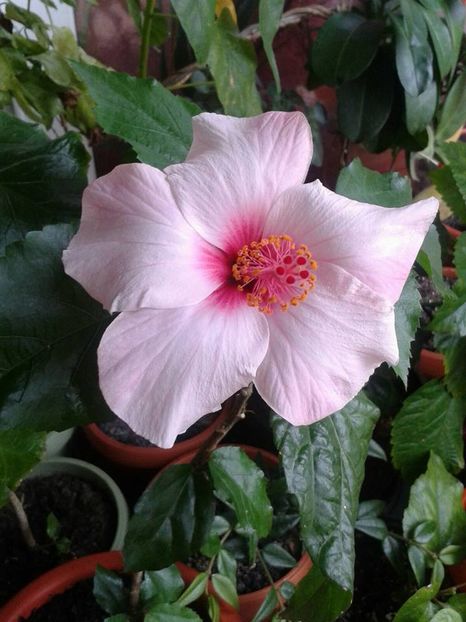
[228, 269]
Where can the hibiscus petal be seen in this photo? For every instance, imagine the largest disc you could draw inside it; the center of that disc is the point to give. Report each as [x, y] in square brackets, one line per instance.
[161, 370]
[377, 245]
[323, 351]
[134, 248]
[235, 170]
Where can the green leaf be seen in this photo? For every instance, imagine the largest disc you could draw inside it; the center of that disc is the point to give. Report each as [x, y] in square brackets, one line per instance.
[213, 608]
[232, 62]
[368, 520]
[120, 617]
[429, 420]
[324, 468]
[47, 322]
[226, 565]
[445, 183]
[430, 259]
[171, 519]
[441, 40]
[134, 9]
[159, 31]
[197, 18]
[268, 606]
[171, 613]
[453, 111]
[270, 12]
[156, 123]
[239, 481]
[420, 608]
[345, 46]
[407, 313]
[161, 586]
[41, 180]
[225, 589]
[360, 183]
[456, 154]
[460, 256]
[20, 450]
[376, 451]
[277, 557]
[436, 496]
[450, 318]
[458, 603]
[420, 109]
[455, 16]
[109, 591]
[414, 59]
[393, 550]
[455, 366]
[447, 615]
[55, 67]
[194, 590]
[453, 554]
[23, 16]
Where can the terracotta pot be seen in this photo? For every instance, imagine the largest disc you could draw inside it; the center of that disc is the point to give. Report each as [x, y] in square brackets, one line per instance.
[134, 457]
[455, 233]
[432, 364]
[458, 571]
[250, 603]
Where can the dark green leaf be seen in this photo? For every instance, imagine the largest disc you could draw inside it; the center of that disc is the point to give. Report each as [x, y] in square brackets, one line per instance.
[420, 109]
[445, 183]
[239, 481]
[458, 603]
[430, 259]
[225, 589]
[450, 318]
[268, 606]
[46, 324]
[460, 256]
[109, 591]
[424, 532]
[441, 40]
[197, 17]
[287, 589]
[171, 519]
[220, 526]
[418, 562]
[360, 183]
[120, 617]
[420, 608]
[374, 507]
[453, 554]
[436, 496]
[455, 367]
[345, 46]
[156, 123]
[372, 526]
[270, 12]
[41, 180]
[20, 450]
[414, 59]
[456, 154]
[455, 15]
[23, 16]
[429, 420]
[407, 313]
[376, 451]
[277, 557]
[453, 112]
[226, 565]
[324, 467]
[171, 613]
[393, 549]
[161, 586]
[211, 546]
[232, 62]
[158, 29]
[134, 9]
[194, 590]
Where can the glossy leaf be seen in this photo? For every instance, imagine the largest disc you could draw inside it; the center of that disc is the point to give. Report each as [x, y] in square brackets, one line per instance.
[430, 259]
[226, 565]
[268, 606]
[171, 519]
[197, 18]
[239, 481]
[420, 608]
[171, 613]
[47, 322]
[420, 109]
[161, 586]
[276, 556]
[194, 590]
[407, 313]
[376, 451]
[324, 468]
[224, 587]
[368, 520]
[20, 450]
[270, 12]
[213, 608]
[453, 112]
[452, 554]
[429, 420]
[156, 123]
[458, 603]
[41, 180]
[414, 59]
[109, 591]
[360, 183]
[345, 46]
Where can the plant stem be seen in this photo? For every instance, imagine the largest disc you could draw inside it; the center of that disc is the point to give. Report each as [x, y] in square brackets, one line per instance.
[134, 594]
[23, 521]
[270, 580]
[397, 536]
[234, 407]
[451, 591]
[146, 27]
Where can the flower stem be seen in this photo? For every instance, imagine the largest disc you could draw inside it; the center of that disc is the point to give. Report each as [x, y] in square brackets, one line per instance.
[146, 27]
[23, 521]
[235, 407]
[136, 581]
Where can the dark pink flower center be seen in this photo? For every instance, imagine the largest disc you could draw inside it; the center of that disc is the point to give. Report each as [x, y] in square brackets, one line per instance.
[274, 272]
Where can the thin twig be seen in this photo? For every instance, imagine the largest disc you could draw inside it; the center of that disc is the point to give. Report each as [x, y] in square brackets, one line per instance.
[134, 593]
[281, 603]
[23, 521]
[146, 30]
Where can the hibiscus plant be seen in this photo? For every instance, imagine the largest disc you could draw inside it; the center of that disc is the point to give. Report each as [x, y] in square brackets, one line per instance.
[207, 269]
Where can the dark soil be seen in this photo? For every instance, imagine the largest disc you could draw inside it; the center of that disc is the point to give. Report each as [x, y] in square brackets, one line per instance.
[75, 605]
[85, 515]
[120, 431]
[430, 302]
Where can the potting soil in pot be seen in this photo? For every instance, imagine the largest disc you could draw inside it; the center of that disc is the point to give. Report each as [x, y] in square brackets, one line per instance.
[120, 431]
[75, 605]
[85, 516]
[430, 302]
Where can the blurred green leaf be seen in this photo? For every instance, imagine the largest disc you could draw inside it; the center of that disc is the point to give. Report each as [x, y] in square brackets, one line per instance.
[20, 450]
[277, 557]
[441, 40]
[414, 59]
[194, 590]
[268, 605]
[270, 12]
[171, 613]
[420, 608]
[420, 109]
[225, 589]
[109, 591]
[445, 183]
[453, 111]
[161, 586]
[407, 313]
[197, 18]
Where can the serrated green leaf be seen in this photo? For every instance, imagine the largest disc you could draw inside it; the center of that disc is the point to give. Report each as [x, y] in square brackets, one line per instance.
[109, 591]
[362, 184]
[47, 322]
[453, 112]
[277, 557]
[156, 123]
[225, 589]
[41, 180]
[194, 590]
[232, 62]
[455, 366]
[456, 154]
[171, 613]
[270, 12]
[345, 46]
[161, 586]
[429, 420]
[20, 450]
[407, 313]
[197, 17]
[430, 259]
[171, 519]
[445, 183]
[324, 467]
[238, 480]
[460, 257]
[450, 318]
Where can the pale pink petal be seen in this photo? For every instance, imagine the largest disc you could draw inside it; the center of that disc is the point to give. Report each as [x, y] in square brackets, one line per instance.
[235, 170]
[161, 370]
[323, 351]
[134, 248]
[377, 245]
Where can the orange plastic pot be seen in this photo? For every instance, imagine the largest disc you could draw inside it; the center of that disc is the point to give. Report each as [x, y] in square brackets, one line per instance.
[432, 364]
[458, 571]
[134, 457]
[249, 603]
